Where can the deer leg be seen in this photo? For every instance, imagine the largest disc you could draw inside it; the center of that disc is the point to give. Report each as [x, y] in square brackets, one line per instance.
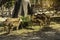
[17, 28]
[10, 28]
[5, 28]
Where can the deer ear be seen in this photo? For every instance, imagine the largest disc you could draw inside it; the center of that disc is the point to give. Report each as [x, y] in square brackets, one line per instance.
[6, 19]
[18, 18]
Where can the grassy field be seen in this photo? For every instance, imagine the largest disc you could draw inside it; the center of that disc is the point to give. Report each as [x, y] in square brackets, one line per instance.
[29, 29]
[55, 25]
[24, 30]
[33, 33]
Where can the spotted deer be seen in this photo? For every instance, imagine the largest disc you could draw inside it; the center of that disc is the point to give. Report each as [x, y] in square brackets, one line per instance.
[41, 19]
[11, 23]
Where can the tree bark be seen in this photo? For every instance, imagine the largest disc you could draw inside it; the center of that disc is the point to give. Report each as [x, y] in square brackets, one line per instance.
[22, 7]
[16, 9]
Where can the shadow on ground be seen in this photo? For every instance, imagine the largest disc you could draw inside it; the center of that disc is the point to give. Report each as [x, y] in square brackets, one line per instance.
[51, 34]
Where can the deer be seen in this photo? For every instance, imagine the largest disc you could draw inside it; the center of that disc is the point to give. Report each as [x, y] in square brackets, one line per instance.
[10, 23]
[41, 19]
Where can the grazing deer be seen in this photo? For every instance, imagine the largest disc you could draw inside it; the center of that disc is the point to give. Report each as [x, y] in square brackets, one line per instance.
[11, 23]
[41, 19]
[36, 20]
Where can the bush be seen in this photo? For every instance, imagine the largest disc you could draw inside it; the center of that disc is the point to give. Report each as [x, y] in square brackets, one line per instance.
[25, 21]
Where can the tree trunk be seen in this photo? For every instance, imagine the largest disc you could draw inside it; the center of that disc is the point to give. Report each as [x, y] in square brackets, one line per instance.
[16, 8]
[22, 7]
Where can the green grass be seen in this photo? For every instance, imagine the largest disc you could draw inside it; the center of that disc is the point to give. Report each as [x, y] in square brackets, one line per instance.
[24, 31]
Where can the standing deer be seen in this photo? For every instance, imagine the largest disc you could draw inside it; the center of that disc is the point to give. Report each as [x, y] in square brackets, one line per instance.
[11, 23]
[41, 19]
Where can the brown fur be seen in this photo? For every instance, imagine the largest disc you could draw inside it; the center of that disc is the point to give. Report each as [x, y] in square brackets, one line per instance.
[11, 23]
[41, 19]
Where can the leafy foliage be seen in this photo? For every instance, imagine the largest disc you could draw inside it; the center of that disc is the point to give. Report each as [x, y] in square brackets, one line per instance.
[26, 21]
[9, 4]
